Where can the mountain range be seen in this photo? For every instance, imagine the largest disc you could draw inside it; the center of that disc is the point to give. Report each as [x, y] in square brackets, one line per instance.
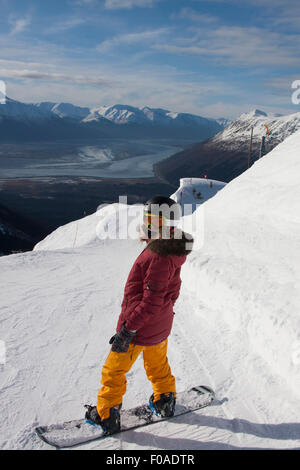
[224, 156]
[23, 122]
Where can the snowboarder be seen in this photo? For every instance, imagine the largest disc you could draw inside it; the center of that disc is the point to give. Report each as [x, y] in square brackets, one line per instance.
[146, 318]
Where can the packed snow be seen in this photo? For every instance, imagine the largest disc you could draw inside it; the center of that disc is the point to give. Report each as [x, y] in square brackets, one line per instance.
[236, 329]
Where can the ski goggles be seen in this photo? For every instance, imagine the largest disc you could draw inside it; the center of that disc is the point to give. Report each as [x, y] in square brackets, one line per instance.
[153, 220]
[157, 221]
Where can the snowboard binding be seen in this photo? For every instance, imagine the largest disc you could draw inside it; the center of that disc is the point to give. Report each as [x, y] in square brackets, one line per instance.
[109, 425]
[165, 406]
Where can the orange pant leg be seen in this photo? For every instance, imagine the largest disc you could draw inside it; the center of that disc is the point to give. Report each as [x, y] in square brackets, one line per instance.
[158, 370]
[114, 379]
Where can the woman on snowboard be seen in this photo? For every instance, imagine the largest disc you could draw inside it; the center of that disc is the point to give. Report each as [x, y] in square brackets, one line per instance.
[146, 318]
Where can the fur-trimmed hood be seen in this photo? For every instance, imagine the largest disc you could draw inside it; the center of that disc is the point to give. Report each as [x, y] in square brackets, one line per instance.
[181, 244]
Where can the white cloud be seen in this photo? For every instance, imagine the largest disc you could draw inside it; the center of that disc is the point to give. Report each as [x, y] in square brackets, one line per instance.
[242, 46]
[284, 13]
[19, 25]
[20, 63]
[25, 74]
[157, 86]
[127, 4]
[232, 111]
[131, 38]
[255, 2]
[64, 25]
[282, 83]
[192, 15]
[43, 70]
[85, 2]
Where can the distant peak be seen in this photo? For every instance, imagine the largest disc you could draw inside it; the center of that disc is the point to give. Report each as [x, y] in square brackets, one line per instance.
[123, 107]
[257, 113]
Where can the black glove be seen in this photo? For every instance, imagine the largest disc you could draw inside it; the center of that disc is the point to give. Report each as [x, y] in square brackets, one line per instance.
[120, 341]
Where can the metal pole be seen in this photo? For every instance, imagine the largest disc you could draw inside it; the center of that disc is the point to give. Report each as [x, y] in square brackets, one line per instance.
[250, 148]
[262, 148]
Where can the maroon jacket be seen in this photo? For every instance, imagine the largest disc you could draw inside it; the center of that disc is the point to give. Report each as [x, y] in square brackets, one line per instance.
[152, 288]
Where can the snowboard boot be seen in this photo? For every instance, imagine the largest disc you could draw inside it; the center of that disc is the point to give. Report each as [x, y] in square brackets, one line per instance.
[165, 406]
[109, 425]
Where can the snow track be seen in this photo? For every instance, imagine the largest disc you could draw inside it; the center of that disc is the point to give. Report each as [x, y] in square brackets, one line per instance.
[57, 328]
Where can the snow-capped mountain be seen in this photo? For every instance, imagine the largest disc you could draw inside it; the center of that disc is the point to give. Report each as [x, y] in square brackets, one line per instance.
[225, 155]
[64, 110]
[19, 121]
[23, 122]
[224, 122]
[155, 122]
[118, 114]
[236, 326]
[124, 114]
[39, 111]
[275, 127]
[22, 111]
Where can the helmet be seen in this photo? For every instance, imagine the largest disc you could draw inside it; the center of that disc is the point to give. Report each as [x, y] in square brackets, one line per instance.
[165, 207]
[159, 212]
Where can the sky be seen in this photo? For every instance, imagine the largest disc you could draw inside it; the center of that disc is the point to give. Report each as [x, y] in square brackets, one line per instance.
[214, 58]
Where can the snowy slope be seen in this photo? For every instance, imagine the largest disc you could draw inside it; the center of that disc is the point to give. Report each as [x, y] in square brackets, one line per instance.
[93, 229]
[224, 122]
[249, 268]
[236, 326]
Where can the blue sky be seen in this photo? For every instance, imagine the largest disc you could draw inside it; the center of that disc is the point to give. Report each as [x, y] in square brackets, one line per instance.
[213, 58]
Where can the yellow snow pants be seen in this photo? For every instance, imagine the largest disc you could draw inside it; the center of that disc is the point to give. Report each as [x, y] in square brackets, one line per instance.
[117, 365]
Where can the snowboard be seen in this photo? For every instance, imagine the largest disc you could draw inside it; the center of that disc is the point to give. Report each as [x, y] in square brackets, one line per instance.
[73, 433]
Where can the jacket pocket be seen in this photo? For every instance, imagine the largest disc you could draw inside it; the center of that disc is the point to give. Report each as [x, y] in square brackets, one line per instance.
[154, 287]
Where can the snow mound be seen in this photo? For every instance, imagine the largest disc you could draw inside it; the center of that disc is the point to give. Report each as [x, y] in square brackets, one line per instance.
[248, 269]
[195, 191]
[110, 222]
